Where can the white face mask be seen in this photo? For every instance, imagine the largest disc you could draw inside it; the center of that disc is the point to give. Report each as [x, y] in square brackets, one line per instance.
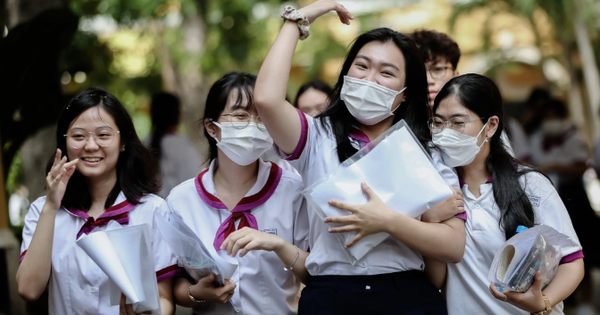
[458, 149]
[243, 146]
[368, 102]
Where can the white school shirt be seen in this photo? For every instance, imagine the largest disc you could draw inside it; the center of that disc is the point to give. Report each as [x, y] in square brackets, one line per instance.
[467, 284]
[77, 285]
[263, 286]
[315, 157]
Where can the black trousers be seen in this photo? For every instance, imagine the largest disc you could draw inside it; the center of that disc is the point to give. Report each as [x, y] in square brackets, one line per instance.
[401, 293]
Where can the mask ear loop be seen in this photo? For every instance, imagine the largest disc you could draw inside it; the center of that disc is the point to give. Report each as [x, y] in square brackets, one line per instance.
[218, 125]
[400, 92]
[480, 131]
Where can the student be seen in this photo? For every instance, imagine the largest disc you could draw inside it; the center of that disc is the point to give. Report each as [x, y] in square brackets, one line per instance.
[243, 197]
[176, 154]
[441, 55]
[500, 194]
[382, 81]
[100, 172]
[313, 97]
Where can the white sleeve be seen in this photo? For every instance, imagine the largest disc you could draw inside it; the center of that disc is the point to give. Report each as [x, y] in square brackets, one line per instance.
[165, 261]
[447, 172]
[550, 210]
[309, 140]
[30, 224]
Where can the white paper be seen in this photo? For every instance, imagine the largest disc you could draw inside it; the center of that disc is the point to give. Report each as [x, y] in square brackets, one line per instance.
[98, 246]
[125, 255]
[399, 172]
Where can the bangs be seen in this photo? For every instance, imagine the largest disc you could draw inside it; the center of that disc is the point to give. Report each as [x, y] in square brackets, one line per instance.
[245, 97]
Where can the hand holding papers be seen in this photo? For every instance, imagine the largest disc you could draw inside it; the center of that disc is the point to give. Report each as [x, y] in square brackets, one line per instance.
[517, 261]
[397, 169]
[198, 260]
[125, 255]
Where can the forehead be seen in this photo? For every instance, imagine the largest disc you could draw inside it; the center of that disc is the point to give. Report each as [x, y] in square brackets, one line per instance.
[380, 52]
[451, 107]
[93, 118]
[437, 61]
[312, 95]
[238, 101]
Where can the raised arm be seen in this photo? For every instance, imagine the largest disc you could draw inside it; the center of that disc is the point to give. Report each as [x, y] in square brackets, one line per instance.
[34, 272]
[278, 115]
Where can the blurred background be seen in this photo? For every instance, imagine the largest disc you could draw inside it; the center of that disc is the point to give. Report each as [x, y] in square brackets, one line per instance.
[52, 49]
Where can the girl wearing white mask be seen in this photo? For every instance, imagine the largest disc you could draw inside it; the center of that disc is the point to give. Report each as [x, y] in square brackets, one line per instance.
[500, 194]
[242, 197]
[382, 81]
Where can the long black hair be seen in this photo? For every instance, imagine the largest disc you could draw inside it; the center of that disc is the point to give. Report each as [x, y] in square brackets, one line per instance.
[164, 111]
[218, 96]
[480, 95]
[414, 110]
[137, 170]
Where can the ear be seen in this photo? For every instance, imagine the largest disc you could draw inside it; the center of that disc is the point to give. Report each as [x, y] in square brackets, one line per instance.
[123, 148]
[210, 127]
[492, 126]
[456, 73]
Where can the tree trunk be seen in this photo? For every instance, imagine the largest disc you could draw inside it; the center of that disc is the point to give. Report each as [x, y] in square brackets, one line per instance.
[590, 73]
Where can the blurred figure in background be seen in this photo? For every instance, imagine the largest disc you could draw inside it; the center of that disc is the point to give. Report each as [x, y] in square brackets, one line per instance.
[178, 158]
[313, 97]
[441, 54]
[558, 150]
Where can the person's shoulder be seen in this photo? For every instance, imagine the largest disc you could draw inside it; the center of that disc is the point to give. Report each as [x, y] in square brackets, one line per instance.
[152, 199]
[535, 183]
[291, 177]
[183, 188]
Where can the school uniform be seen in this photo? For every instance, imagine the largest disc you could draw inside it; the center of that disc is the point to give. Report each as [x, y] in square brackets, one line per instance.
[77, 285]
[315, 157]
[467, 284]
[273, 205]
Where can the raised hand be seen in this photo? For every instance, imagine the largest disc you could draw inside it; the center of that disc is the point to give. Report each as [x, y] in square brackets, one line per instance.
[58, 178]
[319, 8]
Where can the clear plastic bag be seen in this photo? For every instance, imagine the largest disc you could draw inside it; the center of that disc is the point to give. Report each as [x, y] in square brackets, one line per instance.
[198, 260]
[535, 249]
[399, 171]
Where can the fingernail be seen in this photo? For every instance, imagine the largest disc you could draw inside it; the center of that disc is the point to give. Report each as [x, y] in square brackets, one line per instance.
[329, 230]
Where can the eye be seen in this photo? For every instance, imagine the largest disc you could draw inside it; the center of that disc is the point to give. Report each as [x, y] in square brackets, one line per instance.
[387, 73]
[78, 136]
[360, 65]
[458, 123]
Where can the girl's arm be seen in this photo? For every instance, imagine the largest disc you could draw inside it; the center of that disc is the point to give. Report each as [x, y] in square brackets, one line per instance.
[436, 272]
[565, 281]
[34, 271]
[279, 116]
[441, 241]
[165, 291]
[248, 239]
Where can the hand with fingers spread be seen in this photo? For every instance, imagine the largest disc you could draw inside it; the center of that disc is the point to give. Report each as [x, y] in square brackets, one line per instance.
[321, 7]
[205, 290]
[58, 178]
[531, 300]
[446, 209]
[248, 239]
[369, 218]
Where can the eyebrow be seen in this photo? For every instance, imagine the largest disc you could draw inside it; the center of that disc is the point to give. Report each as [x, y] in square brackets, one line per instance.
[83, 129]
[385, 64]
[453, 116]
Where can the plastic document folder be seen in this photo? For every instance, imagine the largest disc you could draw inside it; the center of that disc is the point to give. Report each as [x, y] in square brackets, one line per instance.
[519, 258]
[399, 171]
[198, 260]
[125, 255]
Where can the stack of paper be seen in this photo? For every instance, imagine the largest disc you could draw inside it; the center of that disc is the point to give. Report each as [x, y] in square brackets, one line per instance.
[517, 261]
[125, 255]
[399, 171]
